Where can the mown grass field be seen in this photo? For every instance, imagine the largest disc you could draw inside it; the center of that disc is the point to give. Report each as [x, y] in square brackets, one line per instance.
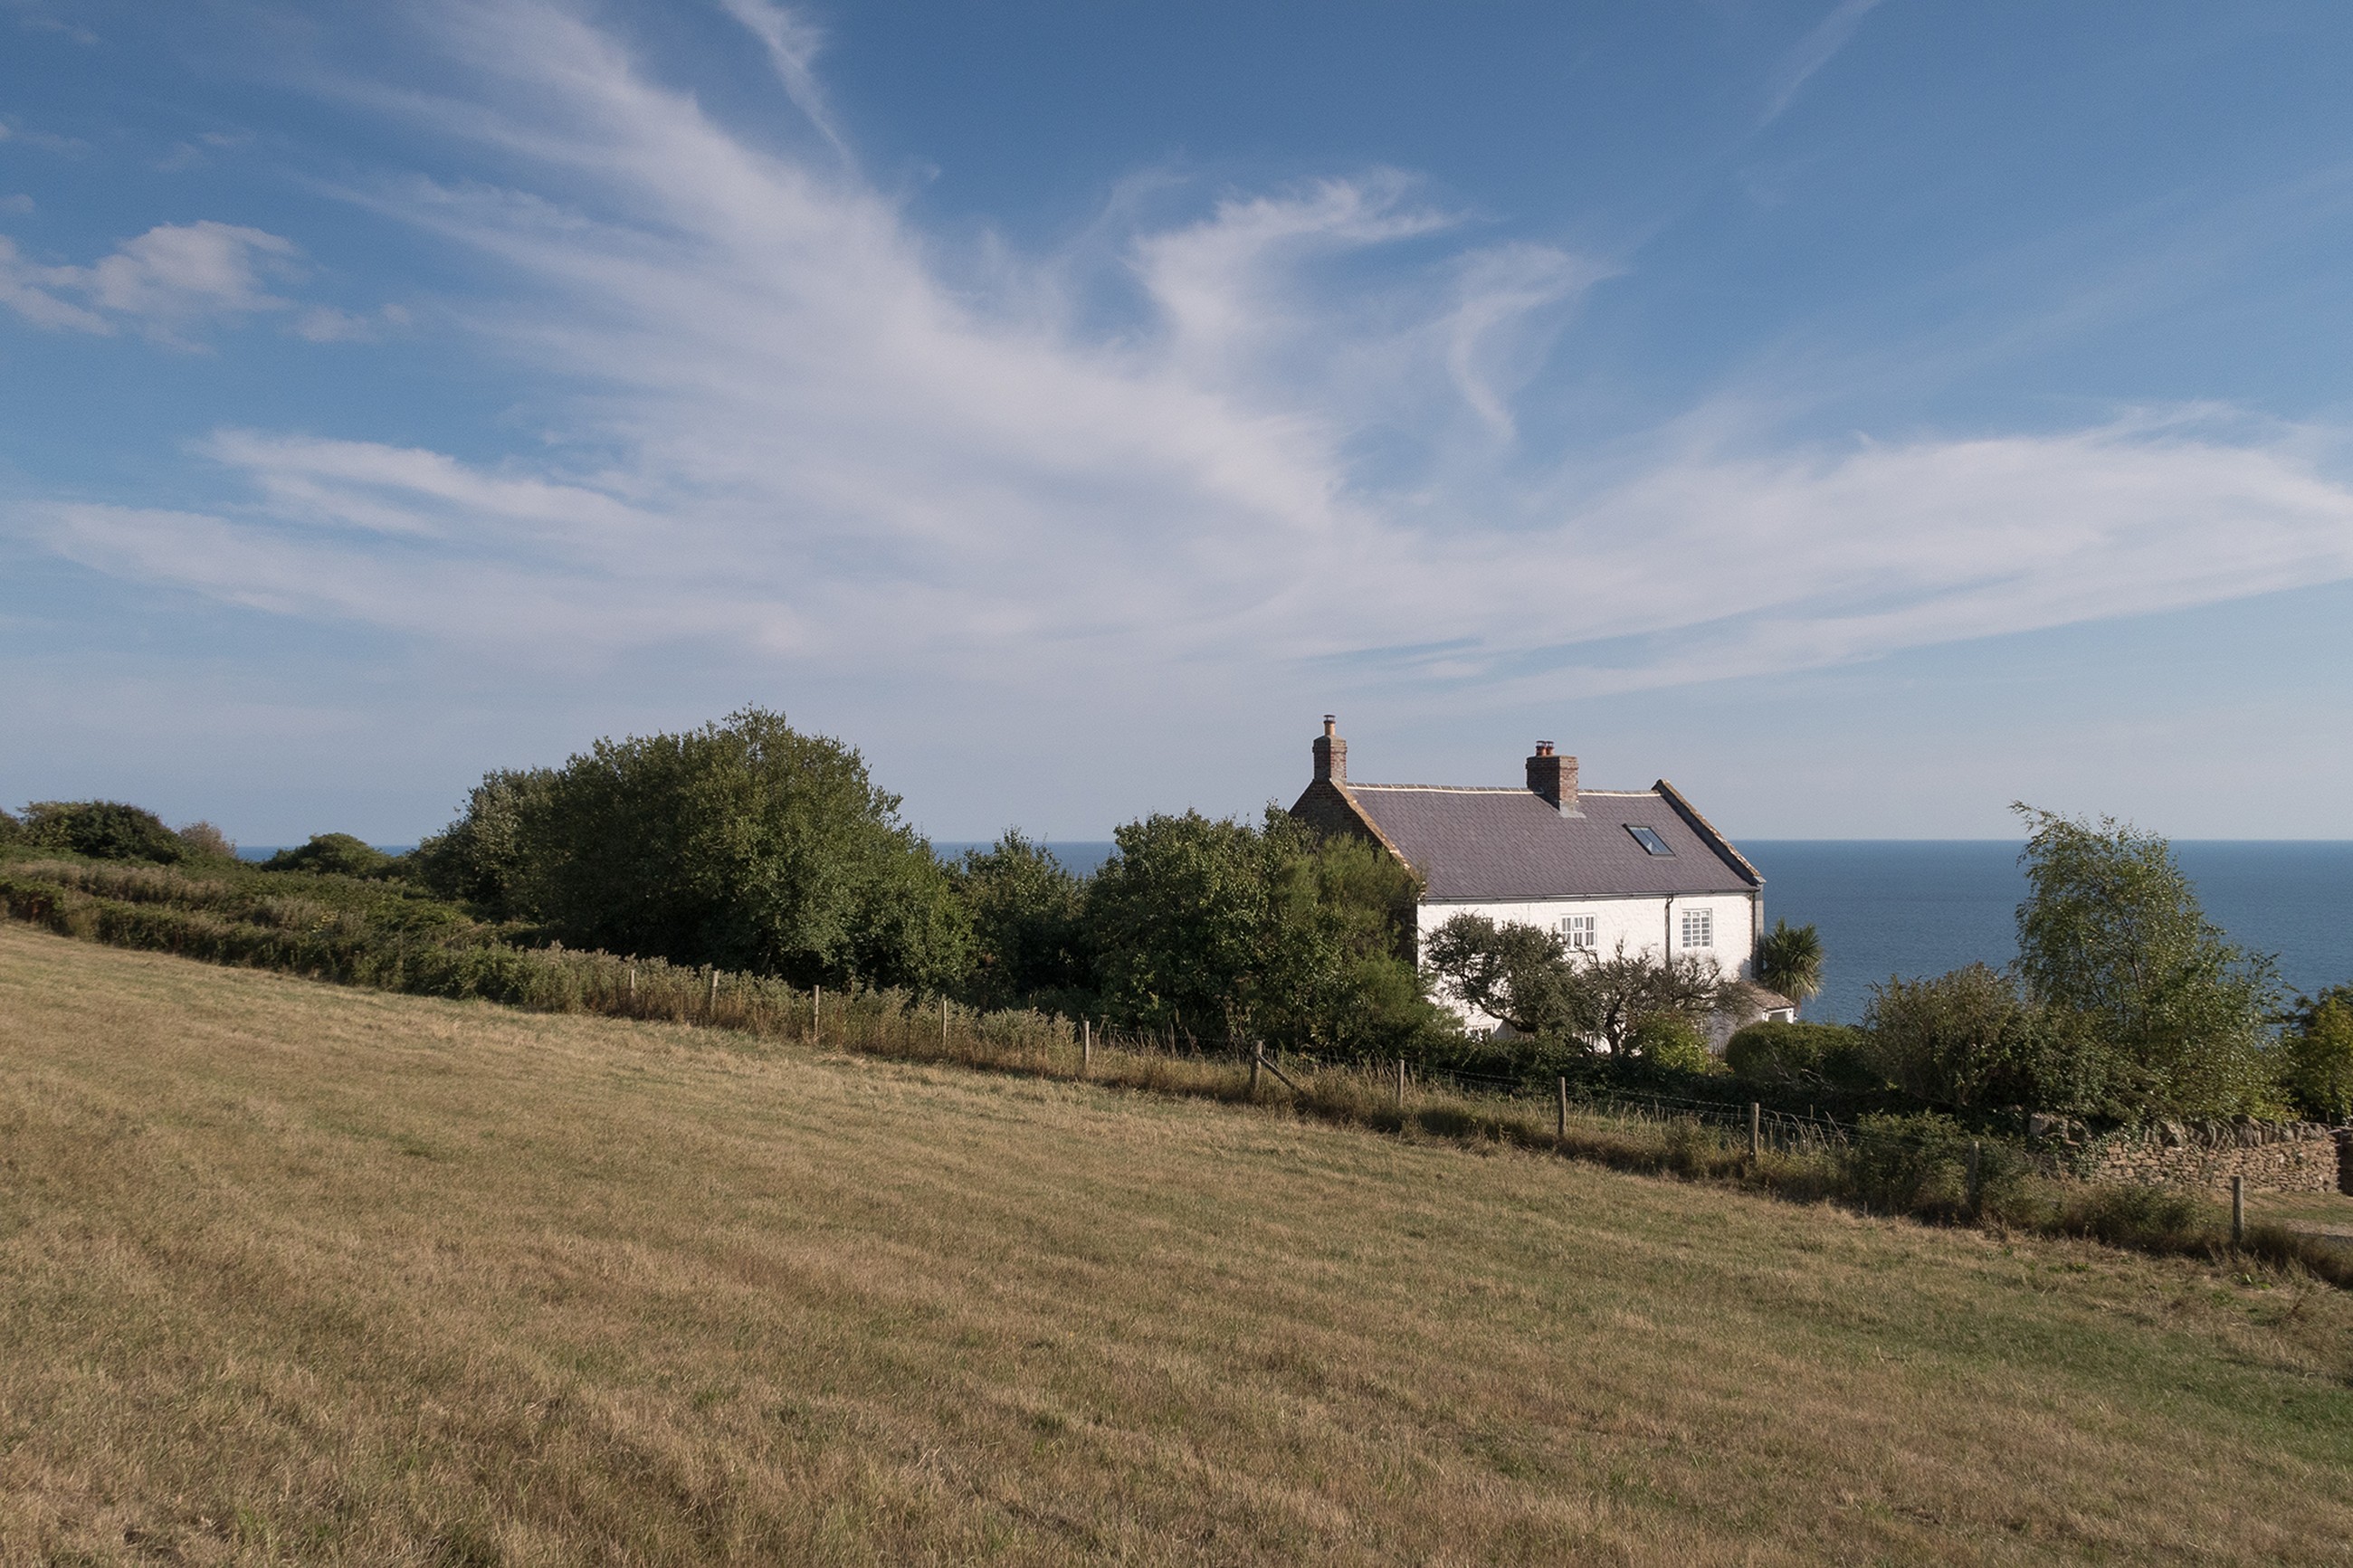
[292, 1272]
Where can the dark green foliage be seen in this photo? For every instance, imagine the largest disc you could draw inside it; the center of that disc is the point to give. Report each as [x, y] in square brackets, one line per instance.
[11, 830]
[745, 844]
[1519, 975]
[1218, 929]
[1905, 1165]
[103, 830]
[1028, 924]
[1800, 1057]
[479, 859]
[1789, 960]
[2315, 1055]
[2169, 1018]
[334, 854]
[1965, 1038]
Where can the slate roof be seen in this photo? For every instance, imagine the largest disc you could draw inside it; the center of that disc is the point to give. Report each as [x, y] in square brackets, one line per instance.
[1507, 844]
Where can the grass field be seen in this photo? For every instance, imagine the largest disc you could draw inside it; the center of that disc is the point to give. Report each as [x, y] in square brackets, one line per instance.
[292, 1272]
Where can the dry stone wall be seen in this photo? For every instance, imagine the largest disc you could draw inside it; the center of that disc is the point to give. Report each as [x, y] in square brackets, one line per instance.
[2274, 1156]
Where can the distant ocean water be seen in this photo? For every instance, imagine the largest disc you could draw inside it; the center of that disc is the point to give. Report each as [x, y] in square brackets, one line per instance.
[1919, 907]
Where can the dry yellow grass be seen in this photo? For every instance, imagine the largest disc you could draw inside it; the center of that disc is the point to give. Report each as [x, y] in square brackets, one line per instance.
[290, 1272]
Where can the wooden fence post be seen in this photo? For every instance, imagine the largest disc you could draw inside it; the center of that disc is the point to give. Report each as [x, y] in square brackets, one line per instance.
[1400, 1097]
[1258, 1060]
[1560, 1110]
[816, 1014]
[1977, 1174]
[633, 984]
[1086, 1045]
[710, 1001]
[944, 1023]
[1756, 1130]
[2238, 1210]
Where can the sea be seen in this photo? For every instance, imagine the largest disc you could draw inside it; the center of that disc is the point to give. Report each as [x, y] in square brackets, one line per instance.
[1912, 907]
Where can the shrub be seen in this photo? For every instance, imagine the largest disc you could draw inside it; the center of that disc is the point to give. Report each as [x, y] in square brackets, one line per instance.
[11, 830]
[1904, 1164]
[1800, 1056]
[1962, 1038]
[103, 830]
[206, 842]
[2316, 1056]
[1027, 923]
[1671, 1041]
[333, 854]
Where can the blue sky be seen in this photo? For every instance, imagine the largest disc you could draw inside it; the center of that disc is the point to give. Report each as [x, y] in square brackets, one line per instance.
[1864, 415]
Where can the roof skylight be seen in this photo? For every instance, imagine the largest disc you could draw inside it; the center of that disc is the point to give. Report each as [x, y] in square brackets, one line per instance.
[1647, 838]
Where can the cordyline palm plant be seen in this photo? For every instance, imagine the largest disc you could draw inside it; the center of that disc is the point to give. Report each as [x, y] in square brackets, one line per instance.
[1789, 960]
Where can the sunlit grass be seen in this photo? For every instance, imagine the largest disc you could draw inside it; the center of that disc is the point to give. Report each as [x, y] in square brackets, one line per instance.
[297, 1273]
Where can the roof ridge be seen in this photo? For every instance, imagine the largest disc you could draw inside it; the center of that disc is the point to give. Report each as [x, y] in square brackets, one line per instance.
[1499, 789]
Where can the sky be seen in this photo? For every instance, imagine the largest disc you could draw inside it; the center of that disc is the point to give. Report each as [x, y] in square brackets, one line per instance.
[1864, 415]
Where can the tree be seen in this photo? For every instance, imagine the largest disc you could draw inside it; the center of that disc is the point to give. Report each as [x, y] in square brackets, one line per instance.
[1624, 989]
[2111, 942]
[206, 842]
[1789, 960]
[1222, 930]
[103, 830]
[745, 844]
[1519, 975]
[1027, 917]
[479, 859]
[333, 854]
[2315, 1065]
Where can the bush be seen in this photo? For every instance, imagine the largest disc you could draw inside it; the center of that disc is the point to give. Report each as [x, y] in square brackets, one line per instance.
[333, 854]
[745, 844]
[206, 842]
[103, 830]
[1905, 1164]
[1963, 1038]
[1800, 1056]
[1672, 1042]
[1028, 914]
[11, 830]
[2316, 1056]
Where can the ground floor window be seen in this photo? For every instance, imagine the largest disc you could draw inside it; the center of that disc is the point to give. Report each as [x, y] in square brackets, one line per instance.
[1699, 928]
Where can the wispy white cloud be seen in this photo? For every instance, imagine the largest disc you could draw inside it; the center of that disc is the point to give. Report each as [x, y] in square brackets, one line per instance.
[165, 282]
[793, 42]
[1812, 53]
[803, 435]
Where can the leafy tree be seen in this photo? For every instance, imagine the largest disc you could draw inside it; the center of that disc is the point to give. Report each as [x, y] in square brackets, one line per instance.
[1789, 960]
[1672, 1041]
[103, 830]
[1527, 978]
[1029, 926]
[336, 854]
[479, 859]
[745, 844]
[2113, 943]
[1219, 929]
[11, 830]
[1519, 975]
[2315, 1065]
[1623, 988]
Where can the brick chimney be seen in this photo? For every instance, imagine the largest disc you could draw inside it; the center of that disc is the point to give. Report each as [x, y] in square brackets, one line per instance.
[1554, 778]
[1331, 754]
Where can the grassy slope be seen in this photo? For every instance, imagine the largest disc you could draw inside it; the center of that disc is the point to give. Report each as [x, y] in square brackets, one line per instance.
[296, 1272]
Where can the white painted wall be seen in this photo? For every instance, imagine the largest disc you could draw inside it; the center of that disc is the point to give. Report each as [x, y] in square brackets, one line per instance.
[1642, 923]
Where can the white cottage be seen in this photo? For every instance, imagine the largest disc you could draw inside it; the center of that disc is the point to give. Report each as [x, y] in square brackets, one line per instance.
[1597, 865]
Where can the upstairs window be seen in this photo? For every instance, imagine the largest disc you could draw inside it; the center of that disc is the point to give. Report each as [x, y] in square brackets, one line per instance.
[1647, 838]
[1578, 931]
[1699, 928]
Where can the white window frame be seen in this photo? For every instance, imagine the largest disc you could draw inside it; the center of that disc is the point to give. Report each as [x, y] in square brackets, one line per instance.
[1581, 933]
[1699, 929]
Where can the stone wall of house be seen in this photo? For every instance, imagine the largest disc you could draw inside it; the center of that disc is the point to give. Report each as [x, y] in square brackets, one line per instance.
[2274, 1156]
